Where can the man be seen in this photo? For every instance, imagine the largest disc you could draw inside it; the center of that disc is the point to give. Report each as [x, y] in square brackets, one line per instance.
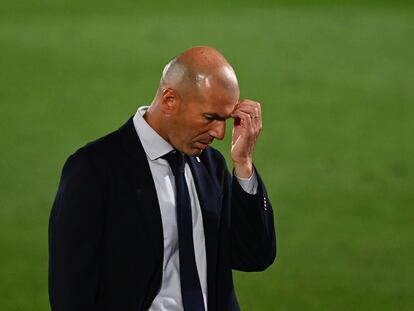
[148, 217]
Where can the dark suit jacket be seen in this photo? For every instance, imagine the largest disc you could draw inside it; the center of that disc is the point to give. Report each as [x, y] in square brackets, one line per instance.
[106, 236]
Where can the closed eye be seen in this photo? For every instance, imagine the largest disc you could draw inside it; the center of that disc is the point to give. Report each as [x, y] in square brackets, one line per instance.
[209, 117]
[212, 117]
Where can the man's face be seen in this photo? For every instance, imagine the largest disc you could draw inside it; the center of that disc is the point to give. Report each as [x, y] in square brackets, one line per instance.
[197, 121]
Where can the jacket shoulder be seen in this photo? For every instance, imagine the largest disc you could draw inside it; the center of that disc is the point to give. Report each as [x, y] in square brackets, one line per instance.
[96, 153]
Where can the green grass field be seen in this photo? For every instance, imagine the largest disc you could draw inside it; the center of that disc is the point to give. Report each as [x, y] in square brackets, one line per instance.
[336, 83]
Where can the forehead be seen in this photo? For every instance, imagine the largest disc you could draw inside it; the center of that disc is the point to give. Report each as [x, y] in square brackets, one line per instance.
[219, 101]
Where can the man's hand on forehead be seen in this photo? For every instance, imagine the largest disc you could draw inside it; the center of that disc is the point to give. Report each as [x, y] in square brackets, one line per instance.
[248, 108]
[247, 117]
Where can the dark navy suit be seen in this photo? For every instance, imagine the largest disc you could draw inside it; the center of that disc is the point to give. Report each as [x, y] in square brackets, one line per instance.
[106, 236]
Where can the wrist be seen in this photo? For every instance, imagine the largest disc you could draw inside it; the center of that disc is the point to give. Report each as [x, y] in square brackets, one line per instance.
[243, 170]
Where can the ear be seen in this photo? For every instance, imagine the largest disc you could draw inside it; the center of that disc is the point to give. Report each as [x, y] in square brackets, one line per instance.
[169, 101]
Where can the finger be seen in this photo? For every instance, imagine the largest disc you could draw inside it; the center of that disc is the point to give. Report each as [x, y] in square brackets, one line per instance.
[245, 119]
[250, 107]
[254, 111]
[248, 102]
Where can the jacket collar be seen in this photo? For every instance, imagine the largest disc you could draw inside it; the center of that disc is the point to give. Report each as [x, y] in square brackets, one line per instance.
[154, 145]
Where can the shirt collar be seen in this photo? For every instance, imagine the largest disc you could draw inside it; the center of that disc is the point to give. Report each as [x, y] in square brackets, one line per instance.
[154, 145]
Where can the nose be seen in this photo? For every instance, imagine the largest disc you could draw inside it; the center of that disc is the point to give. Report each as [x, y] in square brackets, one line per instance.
[218, 129]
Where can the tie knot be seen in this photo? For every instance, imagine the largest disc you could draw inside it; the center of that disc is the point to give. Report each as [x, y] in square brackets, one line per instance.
[176, 160]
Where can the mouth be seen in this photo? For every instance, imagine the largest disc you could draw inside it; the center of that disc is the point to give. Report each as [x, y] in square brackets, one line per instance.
[203, 145]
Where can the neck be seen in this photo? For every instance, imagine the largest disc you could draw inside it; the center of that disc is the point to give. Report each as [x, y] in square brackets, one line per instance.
[154, 119]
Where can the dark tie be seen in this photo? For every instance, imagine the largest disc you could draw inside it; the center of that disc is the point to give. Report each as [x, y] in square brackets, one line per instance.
[190, 283]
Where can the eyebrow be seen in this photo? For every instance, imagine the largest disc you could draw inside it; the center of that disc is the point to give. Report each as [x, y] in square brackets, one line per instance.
[215, 116]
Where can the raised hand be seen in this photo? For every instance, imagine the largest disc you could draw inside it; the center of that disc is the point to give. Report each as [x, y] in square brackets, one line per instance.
[247, 117]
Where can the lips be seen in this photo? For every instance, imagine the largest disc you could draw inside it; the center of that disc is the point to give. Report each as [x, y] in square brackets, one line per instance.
[203, 145]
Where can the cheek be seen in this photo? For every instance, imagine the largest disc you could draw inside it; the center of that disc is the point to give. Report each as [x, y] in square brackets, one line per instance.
[194, 129]
[200, 132]
[185, 133]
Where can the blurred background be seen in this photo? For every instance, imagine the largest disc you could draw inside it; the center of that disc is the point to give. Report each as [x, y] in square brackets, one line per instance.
[336, 83]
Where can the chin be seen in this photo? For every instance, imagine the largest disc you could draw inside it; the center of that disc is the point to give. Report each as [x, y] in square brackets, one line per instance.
[199, 152]
[193, 152]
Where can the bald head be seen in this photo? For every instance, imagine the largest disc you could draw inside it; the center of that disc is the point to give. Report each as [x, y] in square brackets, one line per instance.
[197, 72]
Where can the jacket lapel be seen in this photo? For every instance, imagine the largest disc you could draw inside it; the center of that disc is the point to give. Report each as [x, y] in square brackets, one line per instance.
[140, 177]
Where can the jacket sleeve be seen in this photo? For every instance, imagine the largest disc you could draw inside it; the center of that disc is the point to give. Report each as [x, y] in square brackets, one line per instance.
[75, 234]
[253, 238]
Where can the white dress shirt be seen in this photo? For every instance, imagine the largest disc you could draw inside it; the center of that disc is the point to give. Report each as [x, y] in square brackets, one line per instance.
[169, 296]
